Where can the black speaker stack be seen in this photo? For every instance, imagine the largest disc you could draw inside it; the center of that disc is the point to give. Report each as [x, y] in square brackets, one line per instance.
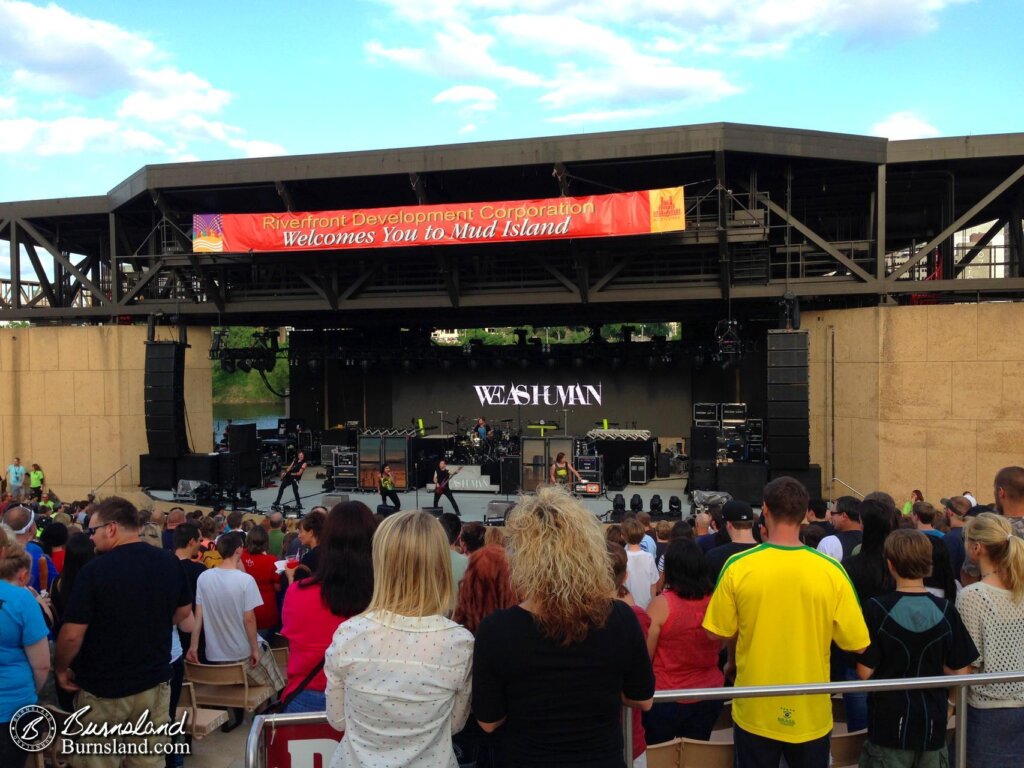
[787, 426]
[164, 408]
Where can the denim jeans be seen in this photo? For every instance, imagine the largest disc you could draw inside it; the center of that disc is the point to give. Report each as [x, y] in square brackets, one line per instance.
[308, 701]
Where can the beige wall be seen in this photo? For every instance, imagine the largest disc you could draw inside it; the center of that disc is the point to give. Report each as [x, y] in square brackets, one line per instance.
[928, 397]
[71, 400]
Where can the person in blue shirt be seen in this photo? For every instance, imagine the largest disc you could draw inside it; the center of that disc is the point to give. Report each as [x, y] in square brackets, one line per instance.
[22, 522]
[15, 478]
[24, 648]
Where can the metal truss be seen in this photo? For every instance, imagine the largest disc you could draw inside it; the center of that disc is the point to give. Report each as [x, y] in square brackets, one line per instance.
[835, 220]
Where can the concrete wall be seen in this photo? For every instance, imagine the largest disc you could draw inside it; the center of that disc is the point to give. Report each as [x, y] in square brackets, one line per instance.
[71, 400]
[928, 397]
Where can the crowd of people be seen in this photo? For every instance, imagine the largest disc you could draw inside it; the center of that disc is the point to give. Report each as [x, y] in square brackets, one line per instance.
[429, 641]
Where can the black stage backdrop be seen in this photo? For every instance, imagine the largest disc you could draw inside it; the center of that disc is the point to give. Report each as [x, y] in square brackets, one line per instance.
[660, 400]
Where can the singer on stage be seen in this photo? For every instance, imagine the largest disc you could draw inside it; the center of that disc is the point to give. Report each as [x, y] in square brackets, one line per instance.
[387, 487]
[291, 477]
[441, 479]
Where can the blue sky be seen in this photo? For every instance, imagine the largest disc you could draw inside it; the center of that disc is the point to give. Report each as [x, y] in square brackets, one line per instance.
[92, 91]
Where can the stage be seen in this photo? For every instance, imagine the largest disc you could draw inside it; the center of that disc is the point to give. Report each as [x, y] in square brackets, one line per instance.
[472, 505]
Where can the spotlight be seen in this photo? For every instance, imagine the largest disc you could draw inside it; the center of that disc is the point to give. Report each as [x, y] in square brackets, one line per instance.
[656, 504]
[675, 506]
[227, 365]
[636, 504]
[245, 365]
[619, 503]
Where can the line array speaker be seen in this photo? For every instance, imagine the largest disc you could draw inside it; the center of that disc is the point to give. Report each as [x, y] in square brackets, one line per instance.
[164, 396]
[787, 426]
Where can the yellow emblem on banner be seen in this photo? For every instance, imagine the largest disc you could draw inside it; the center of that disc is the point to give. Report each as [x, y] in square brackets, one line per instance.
[667, 210]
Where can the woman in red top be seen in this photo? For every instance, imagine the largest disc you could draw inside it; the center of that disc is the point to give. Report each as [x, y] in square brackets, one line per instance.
[683, 654]
[260, 565]
[340, 587]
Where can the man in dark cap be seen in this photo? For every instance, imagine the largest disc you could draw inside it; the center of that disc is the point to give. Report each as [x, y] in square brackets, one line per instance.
[739, 523]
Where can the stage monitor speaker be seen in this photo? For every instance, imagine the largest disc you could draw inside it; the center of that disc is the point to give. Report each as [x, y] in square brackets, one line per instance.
[199, 466]
[743, 481]
[435, 511]
[242, 438]
[157, 472]
[239, 470]
[810, 477]
[386, 509]
[331, 500]
[703, 443]
[164, 399]
[703, 476]
[510, 477]
[664, 464]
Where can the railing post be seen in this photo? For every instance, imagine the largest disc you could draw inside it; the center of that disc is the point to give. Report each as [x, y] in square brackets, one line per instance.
[960, 717]
[627, 735]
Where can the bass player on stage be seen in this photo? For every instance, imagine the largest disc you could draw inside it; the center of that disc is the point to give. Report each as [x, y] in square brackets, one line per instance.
[441, 479]
[291, 477]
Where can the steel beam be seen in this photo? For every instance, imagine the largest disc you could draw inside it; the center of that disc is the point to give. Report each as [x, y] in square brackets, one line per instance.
[611, 274]
[555, 273]
[320, 288]
[44, 282]
[978, 247]
[880, 233]
[143, 282]
[358, 284]
[61, 259]
[15, 249]
[724, 265]
[815, 238]
[971, 212]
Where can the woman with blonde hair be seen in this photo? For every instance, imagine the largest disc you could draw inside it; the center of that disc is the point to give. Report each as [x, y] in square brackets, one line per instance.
[993, 612]
[398, 675]
[554, 671]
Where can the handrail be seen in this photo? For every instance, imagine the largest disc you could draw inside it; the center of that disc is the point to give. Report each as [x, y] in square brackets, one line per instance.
[960, 682]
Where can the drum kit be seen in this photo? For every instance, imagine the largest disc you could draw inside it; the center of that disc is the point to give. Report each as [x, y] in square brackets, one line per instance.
[473, 448]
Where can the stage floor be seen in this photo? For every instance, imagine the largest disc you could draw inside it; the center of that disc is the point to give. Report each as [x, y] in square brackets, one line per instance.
[472, 505]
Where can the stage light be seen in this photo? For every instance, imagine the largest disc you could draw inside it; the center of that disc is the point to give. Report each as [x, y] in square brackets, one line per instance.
[636, 504]
[656, 504]
[245, 365]
[675, 505]
[227, 365]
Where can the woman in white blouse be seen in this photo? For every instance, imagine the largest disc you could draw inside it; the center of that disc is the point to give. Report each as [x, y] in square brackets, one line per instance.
[993, 612]
[398, 675]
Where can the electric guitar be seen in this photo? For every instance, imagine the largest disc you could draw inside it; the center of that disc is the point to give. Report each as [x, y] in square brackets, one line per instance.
[443, 486]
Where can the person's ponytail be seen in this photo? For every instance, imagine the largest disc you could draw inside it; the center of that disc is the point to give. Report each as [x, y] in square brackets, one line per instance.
[1013, 567]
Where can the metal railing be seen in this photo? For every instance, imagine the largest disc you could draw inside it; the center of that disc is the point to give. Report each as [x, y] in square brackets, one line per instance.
[254, 742]
[959, 682]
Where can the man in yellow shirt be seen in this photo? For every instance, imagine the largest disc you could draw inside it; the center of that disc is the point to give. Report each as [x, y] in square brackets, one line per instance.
[783, 604]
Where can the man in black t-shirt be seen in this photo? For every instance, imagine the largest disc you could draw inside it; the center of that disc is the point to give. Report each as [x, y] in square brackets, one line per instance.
[442, 478]
[186, 548]
[291, 477]
[114, 647]
[818, 514]
[739, 523]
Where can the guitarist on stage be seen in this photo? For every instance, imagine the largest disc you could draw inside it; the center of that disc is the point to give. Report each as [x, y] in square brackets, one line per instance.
[291, 477]
[441, 478]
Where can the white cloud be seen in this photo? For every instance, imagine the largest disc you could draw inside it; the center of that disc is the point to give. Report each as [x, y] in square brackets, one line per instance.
[257, 148]
[904, 125]
[8, 104]
[467, 129]
[458, 53]
[603, 116]
[470, 98]
[162, 109]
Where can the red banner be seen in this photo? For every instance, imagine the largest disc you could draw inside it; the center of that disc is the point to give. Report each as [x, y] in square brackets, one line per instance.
[308, 745]
[625, 213]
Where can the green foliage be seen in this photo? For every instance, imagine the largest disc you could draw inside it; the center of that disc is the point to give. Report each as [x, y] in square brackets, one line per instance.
[239, 387]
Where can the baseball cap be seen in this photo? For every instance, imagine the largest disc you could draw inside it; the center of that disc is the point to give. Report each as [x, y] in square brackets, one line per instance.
[737, 512]
[958, 505]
